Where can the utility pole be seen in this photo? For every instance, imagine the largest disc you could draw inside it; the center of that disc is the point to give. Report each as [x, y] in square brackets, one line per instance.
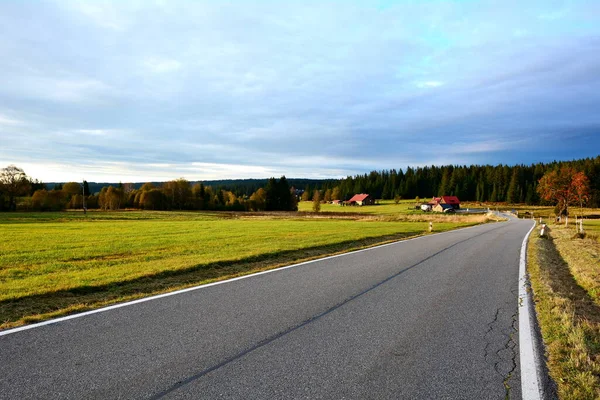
[83, 197]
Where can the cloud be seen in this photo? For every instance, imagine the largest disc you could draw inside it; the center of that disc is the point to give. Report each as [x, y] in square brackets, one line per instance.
[6, 121]
[430, 84]
[230, 90]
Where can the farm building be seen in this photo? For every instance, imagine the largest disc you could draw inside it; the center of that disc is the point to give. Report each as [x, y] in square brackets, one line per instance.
[451, 200]
[435, 201]
[445, 208]
[362, 199]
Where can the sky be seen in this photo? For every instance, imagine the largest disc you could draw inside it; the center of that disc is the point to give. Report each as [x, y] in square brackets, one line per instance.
[137, 91]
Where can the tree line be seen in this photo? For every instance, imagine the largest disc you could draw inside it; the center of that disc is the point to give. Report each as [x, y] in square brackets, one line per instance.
[481, 183]
[17, 190]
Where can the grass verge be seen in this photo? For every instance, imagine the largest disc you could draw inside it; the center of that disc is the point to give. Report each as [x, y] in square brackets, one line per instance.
[569, 316]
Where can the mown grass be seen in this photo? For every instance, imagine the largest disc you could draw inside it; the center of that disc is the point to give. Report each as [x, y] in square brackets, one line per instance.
[52, 264]
[565, 282]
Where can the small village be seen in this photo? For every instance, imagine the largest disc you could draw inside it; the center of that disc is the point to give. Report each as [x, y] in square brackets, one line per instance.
[442, 204]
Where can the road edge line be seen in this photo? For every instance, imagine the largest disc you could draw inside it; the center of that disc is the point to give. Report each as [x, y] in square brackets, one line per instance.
[193, 288]
[528, 357]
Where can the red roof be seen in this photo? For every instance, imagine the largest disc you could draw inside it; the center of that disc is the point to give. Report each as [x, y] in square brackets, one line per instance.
[435, 201]
[359, 197]
[451, 199]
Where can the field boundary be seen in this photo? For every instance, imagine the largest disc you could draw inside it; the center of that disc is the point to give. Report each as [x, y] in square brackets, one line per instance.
[220, 282]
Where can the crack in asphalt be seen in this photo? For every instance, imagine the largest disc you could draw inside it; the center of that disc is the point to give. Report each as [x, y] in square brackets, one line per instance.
[485, 336]
[511, 344]
[499, 356]
[271, 339]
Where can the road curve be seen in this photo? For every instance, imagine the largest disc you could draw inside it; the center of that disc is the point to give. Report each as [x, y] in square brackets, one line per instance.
[434, 317]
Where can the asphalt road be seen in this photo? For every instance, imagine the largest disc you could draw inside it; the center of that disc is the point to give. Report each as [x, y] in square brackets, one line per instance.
[431, 318]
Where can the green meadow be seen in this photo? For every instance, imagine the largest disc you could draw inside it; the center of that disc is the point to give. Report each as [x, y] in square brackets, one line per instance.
[52, 264]
[383, 207]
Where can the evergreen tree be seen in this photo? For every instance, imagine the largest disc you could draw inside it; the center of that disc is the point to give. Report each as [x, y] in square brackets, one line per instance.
[512, 194]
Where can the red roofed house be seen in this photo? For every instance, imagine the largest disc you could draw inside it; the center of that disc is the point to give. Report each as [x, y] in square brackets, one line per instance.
[451, 200]
[435, 201]
[361, 200]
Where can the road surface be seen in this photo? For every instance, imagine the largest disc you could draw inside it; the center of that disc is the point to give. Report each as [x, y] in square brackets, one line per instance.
[434, 317]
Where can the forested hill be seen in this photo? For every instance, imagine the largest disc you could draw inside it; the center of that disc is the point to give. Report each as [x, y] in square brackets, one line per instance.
[240, 187]
[514, 184]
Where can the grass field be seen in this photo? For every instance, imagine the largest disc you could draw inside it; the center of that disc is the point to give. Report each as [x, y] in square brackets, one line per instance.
[384, 207]
[55, 263]
[565, 277]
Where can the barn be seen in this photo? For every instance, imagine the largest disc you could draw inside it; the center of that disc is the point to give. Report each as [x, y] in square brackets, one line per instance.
[443, 208]
[451, 200]
[362, 199]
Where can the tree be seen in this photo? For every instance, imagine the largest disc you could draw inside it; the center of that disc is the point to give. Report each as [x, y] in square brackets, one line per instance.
[13, 183]
[86, 188]
[258, 200]
[328, 195]
[581, 184]
[564, 187]
[278, 196]
[512, 195]
[316, 207]
[306, 195]
[336, 193]
[71, 188]
[271, 198]
[284, 194]
[444, 186]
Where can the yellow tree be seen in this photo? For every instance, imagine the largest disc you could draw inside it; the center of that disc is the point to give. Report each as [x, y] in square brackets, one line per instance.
[317, 201]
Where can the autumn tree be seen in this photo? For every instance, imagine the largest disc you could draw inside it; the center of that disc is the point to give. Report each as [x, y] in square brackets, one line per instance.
[258, 200]
[179, 193]
[336, 194]
[43, 200]
[328, 195]
[305, 195]
[13, 183]
[564, 187]
[582, 189]
[316, 207]
[153, 199]
[71, 188]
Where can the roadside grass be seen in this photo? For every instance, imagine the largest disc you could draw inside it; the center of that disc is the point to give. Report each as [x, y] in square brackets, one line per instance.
[53, 264]
[565, 282]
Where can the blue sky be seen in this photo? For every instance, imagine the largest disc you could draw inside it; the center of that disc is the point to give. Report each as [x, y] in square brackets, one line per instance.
[141, 90]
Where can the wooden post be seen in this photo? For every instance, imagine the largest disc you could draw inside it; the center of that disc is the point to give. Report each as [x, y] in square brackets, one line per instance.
[543, 231]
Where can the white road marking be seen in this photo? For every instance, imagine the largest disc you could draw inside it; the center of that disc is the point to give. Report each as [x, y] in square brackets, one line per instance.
[530, 381]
